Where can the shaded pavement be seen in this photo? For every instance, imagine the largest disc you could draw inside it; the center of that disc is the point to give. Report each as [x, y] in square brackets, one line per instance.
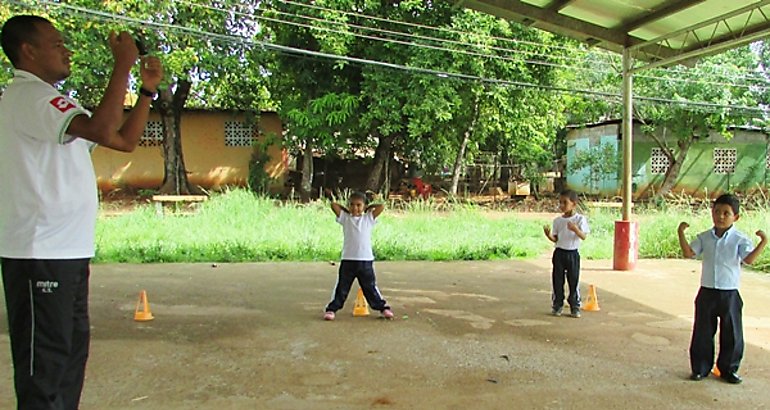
[467, 335]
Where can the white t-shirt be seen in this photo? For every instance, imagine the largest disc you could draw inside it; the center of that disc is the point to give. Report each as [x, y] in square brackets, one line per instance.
[566, 239]
[357, 240]
[48, 199]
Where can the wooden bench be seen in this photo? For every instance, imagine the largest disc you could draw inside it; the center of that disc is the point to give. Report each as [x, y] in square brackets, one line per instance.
[160, 200]
[602, 204]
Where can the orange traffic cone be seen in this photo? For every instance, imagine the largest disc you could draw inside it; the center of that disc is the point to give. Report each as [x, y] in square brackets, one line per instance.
[142, 312]
[360, 308]
[716, 371]
[592, 302]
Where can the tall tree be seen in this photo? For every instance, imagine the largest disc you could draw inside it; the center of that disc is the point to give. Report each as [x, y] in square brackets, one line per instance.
[674, 126]
[205, 49]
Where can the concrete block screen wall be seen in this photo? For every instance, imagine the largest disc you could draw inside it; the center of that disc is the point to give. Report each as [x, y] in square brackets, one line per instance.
[212, 159]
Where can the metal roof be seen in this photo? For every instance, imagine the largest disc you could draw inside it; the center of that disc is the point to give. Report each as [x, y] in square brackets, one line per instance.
[659, 32]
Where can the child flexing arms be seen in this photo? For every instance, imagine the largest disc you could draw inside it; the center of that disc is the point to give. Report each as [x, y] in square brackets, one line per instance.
[723, 248]
[357, 256]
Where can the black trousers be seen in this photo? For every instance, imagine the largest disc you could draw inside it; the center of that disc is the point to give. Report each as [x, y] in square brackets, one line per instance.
[364, 272]
[47, 304]
[710, 305]
[565, 264]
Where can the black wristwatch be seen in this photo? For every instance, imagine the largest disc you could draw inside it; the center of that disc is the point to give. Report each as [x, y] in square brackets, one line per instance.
[147, 93]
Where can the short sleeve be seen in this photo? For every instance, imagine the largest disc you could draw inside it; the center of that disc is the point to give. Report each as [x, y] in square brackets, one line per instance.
[584, 224]
[341, 218]
[745, 247]
[697, 245]
[49, 117]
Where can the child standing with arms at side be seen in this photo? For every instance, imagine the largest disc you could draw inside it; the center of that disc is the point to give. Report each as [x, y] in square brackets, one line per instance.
[723, 248]
[357, 256]
[567, 231]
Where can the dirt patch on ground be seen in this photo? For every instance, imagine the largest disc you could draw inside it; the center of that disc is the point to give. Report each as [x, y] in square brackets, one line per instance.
[467, 335]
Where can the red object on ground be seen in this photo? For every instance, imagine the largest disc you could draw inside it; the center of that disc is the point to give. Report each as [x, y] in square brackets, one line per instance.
[422, 188]
[626, 245]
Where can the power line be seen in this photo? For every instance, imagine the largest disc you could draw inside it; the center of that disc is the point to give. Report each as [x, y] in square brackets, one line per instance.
[411, 44]
[416, 25]
[409, 35]
[378, 30]
[444, 29]
[201, 34]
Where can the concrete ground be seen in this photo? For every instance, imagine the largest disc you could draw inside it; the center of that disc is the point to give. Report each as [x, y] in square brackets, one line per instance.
[467, 335]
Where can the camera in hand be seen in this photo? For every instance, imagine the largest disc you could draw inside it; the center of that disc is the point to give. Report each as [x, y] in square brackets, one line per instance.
[140, 46]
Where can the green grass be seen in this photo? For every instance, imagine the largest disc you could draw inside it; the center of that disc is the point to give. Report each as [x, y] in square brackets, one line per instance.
[239, 227]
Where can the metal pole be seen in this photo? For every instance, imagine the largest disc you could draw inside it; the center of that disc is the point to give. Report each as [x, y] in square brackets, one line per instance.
[628, 131]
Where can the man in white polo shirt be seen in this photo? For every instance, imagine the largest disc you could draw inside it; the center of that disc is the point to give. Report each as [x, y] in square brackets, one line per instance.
[49, 202]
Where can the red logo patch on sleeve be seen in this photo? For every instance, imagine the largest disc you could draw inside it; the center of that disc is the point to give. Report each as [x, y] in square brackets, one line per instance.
[61, 104]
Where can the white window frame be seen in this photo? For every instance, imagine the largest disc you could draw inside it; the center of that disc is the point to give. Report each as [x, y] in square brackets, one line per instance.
[239, 134]
[725, 160]
[152, 135]
[659, 162]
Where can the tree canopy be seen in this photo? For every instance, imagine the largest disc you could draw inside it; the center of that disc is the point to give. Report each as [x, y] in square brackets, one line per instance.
[430, 83]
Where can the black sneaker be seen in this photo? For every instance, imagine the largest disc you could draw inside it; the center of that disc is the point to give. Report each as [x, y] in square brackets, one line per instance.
[575, 313]
[732, 378]
[556, 311]
[697, 377]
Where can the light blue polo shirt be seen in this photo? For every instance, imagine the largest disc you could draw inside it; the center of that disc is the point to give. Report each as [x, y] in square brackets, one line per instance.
[722, 257]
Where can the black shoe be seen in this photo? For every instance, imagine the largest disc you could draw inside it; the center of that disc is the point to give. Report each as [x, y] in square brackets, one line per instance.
[732, 378]
[696, 377]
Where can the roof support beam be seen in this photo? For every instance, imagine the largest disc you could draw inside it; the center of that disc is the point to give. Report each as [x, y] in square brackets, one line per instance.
[558, 5]
[710, 22]
[516, 10]
[665, 11]
[549, 20]
[734, 37]
[748, 36]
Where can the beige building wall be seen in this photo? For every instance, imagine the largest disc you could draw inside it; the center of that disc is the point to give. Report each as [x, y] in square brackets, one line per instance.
[210, 163]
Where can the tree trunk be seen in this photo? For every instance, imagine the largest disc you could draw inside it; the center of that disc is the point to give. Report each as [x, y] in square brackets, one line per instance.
[170, 107]
[306, 185]
[457, 170]
[381, 156]
[675, 165]
[505, 168]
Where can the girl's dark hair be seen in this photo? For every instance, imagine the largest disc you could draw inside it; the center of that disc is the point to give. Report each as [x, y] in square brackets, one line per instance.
[729, 200]
[16, 31]
[358, 195]
[570, 194]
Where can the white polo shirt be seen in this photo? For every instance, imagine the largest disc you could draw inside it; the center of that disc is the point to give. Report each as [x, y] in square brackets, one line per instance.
[357, 241]
[48, 199]
[566, 239]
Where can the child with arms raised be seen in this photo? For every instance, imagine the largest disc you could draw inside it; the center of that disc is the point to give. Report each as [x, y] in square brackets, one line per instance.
[723, 248]
[357, 257]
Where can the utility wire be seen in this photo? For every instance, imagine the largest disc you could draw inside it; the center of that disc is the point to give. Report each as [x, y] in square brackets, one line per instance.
[201, 34]
[370, 17]
[417, 25]
[380, 30]
[409, 35]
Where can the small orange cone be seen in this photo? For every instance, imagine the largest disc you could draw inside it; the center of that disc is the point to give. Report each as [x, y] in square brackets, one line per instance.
[592, 302]
[716, 371]
[142, 312]
[360, 308]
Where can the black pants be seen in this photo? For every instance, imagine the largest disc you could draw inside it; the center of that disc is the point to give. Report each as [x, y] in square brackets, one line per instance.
[565, 264]
[710, 305]
[47, 303]
[364, 272]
